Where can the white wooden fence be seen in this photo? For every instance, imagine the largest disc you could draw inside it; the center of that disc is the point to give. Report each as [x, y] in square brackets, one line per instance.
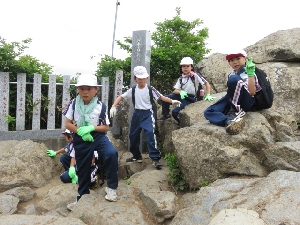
[36, 95]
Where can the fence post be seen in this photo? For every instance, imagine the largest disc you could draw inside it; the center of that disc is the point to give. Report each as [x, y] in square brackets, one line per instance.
[65, 97]
[141, 53]
[20, 110]
[51, 102]
[105, 91]
[36, 100]
[4, 100]
[118, 91]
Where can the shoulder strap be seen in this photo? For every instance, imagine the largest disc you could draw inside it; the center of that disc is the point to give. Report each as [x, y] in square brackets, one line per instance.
[193, 79]
[151, 94]
[73, 106]
[133, 95]
[103, 111]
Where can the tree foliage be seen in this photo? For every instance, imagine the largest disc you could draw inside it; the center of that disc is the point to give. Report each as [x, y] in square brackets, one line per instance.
[14, 61]
[173, 39]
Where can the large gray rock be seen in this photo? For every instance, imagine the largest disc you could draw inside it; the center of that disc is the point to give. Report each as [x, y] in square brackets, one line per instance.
[280, 46]
[25, 163]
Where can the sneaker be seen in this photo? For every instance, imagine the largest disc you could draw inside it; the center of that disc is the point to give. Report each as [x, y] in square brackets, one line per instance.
[71, 206]
[156, 163]
[111, 194]
[237, 124]
[133, 159]
[232, 112]
[164, 117]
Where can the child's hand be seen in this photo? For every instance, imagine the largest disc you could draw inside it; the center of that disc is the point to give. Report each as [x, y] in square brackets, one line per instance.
[113, 111]
[85, 130]
[75, 180]
[183, 94]
[88, 137]
[209, 98]
[51, 153]
[72, 172]
[176, 103]
[250, 67]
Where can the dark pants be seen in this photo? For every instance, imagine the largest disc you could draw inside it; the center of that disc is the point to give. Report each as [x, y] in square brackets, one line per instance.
[65, 160]
[84, 152]
[237, 96]
[143, 120]
[175, 112]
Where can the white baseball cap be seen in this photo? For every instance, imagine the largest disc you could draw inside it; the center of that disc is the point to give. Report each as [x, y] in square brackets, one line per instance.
[87, 80]
[187, 61]
[237, 53]
[67, 132]
[140, 72]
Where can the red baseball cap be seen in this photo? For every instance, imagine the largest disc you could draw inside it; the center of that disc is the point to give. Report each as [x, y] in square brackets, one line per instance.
[236, 54]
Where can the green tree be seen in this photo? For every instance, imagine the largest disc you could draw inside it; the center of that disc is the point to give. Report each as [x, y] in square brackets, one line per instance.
[173, 40]
[13, 60]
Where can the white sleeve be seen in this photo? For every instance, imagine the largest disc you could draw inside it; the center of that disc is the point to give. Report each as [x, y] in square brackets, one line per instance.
[127, 94]
[177, 85]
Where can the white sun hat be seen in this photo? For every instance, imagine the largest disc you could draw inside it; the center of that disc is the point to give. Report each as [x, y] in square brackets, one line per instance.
[140, 72]
[87, 80]
[187, 61]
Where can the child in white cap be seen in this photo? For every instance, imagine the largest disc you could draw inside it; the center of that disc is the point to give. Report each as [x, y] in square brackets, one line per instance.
[185, 89]
[143, 117]
[242, 86]
[90, 127]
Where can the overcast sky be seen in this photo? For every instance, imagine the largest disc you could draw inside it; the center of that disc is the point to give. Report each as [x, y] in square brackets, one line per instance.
[65, 33]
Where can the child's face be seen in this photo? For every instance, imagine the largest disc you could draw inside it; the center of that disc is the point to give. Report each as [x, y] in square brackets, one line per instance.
[87, 93]
[186, 69]
[237, 62]
[141, 81]
[68, 137]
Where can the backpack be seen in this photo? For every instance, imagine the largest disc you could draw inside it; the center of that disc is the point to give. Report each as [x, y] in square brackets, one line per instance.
[264, 97]
[198, 96]
[154, 106]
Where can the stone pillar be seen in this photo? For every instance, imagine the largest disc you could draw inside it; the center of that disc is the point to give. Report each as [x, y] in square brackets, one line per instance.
[118, 91]
[36, 99]
[65, 98]
[4, 100]
[20, 110]
[141, 53]
[105, 91]
[51, 102]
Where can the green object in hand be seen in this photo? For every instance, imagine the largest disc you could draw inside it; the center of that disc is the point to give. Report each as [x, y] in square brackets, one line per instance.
[72, 172]
[183, 94]
[88, 137]
[250, 67]
[209, 98]
[85, 130]
[75, 180]
[51, 153]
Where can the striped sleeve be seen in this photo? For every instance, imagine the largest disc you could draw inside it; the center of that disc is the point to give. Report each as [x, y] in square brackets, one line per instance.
[201, 79]
[156, 93]
[68, 112]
